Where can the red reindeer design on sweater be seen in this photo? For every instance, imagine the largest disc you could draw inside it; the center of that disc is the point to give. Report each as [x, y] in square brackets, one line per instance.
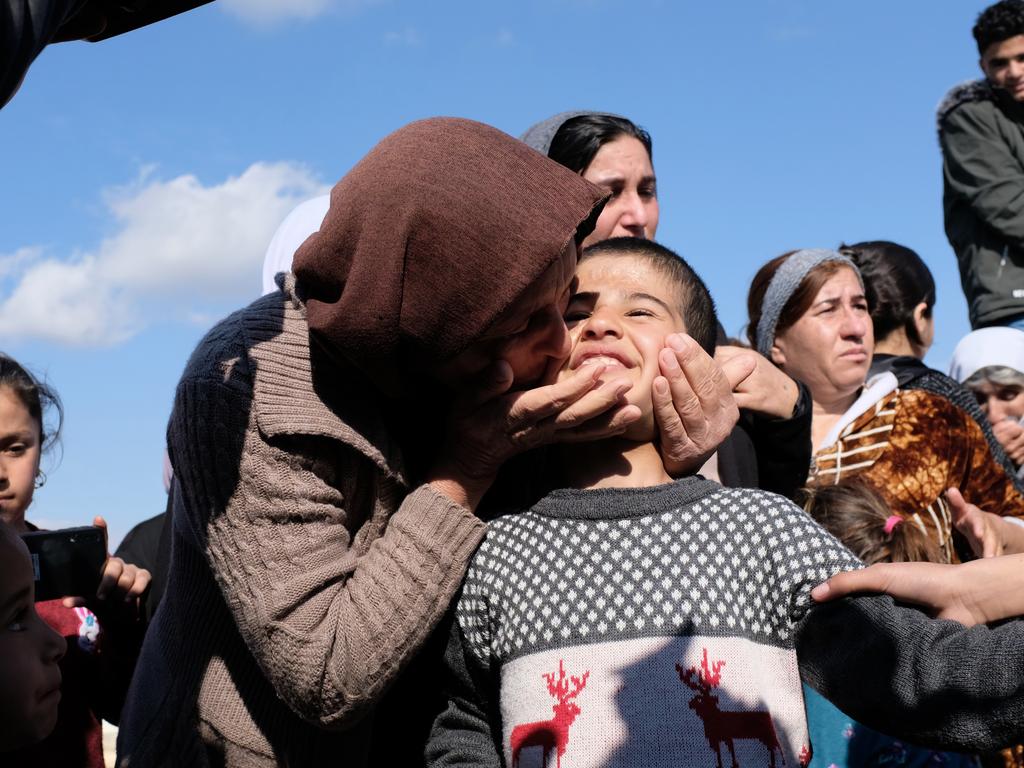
[553, 733]
[726, 726]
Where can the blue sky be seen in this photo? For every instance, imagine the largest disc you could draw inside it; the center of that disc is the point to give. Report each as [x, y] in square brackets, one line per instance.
[142, 177]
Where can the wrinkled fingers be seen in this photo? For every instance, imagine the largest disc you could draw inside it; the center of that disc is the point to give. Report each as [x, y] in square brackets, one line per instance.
[607, 424]
[535, 405]
[674, 438]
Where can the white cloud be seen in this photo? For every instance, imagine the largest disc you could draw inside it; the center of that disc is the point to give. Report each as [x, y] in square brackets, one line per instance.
[268, 12]
[11, 263]
[178, 245]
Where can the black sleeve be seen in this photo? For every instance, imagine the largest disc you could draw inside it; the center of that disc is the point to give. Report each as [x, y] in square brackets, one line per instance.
[929, 681]
[141, 545]
[781, 448]
[26, 26]
[148, 545]
[468, 731]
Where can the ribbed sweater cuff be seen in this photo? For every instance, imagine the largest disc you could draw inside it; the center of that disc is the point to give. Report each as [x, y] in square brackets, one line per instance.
[442, 525]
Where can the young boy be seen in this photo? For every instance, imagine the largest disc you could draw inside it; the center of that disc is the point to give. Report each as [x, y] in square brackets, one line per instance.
[981, 132]
[29, 652]
[631, 620]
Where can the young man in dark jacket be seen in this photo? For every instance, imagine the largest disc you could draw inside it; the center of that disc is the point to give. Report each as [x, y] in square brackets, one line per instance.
[981, 131]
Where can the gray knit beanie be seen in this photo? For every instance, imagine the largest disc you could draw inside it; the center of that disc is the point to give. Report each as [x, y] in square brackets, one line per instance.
[783, 285]
[540, 135]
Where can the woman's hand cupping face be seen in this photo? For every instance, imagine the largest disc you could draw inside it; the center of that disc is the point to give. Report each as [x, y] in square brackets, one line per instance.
[693, 403]
[490, 425]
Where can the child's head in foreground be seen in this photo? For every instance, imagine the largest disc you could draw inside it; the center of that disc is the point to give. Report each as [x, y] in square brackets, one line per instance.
[29, 652]
[632, 294]
[858, 516]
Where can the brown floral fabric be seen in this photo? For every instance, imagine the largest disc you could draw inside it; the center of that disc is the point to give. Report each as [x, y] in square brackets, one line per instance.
[912, 446]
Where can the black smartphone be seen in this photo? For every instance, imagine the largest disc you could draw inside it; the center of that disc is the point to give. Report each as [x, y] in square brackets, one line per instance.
[67, 562]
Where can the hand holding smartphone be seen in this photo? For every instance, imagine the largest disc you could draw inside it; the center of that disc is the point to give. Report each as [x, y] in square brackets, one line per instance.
[67, 562]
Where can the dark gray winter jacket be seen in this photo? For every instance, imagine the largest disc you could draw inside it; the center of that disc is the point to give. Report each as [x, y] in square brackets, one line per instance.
[981, 132]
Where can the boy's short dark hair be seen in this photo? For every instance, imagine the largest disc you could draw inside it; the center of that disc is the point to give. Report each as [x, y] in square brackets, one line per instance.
[999, 22]
[695, 303]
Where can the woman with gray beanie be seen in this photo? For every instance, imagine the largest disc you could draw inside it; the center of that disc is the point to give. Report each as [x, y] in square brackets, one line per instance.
[770, 446]
[612, 152]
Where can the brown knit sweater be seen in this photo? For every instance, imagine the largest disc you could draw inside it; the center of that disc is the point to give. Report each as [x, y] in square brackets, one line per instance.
[305, 571]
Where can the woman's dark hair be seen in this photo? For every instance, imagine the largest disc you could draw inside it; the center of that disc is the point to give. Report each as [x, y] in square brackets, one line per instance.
[856, 514]
[37, 397]
[999, 22]
[695, 304]
[799, 302]
[579, 138]
[895, 281]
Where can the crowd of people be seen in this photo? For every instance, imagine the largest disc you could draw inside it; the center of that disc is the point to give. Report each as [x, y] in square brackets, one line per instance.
[481, 479]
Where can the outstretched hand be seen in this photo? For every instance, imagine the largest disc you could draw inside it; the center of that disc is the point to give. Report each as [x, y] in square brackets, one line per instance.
[987, 534]
[694, 405]
[977, 526]
[978, 592]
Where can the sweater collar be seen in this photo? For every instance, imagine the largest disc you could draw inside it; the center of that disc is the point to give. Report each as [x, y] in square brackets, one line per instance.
[622, 503]
[287, 400]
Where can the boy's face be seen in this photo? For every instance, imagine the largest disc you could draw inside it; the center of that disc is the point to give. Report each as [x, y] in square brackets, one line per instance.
[29, 652]
[619, 316]
[1003, 65]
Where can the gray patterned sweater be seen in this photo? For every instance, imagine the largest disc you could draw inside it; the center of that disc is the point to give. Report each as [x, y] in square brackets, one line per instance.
[670, 625]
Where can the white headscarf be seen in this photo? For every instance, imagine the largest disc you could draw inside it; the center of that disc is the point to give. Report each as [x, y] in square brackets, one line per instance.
[987, 346]
[296, 227]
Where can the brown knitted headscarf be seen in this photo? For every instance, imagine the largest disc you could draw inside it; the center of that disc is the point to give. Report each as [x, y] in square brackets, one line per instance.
[429, 238]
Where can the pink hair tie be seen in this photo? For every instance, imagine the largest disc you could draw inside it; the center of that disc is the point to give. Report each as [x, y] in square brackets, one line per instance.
[891, 522]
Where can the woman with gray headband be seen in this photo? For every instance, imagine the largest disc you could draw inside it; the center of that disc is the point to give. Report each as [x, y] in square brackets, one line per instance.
[809, 315]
